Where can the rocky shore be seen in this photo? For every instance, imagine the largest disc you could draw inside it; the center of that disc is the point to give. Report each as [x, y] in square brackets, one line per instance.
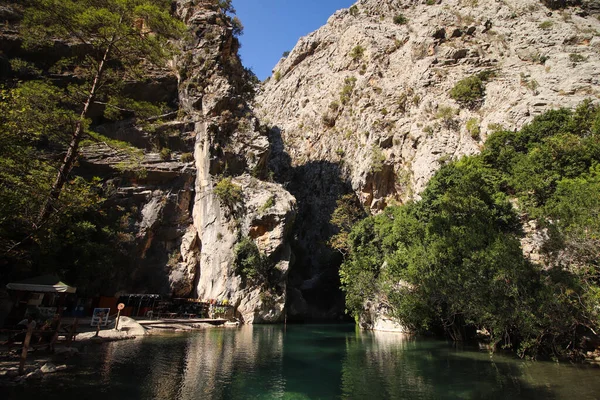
[41, 361]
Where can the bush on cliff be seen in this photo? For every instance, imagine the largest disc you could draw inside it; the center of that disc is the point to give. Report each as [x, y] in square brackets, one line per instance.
[229, 194]
[452, 262]
[250, 264]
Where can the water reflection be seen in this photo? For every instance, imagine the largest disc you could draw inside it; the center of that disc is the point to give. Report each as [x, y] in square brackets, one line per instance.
[305, 362]
[388, 365]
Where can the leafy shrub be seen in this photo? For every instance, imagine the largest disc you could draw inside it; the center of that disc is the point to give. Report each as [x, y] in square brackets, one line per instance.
[452, 262]
[546, 25]
[229, 193]
[277, 76]
[165, 154]
[226, 6]
[354, 10]
[347, 89]
[377, 159]
[238, 28]
[473, 128]
[446, 112]
[357, 52]
[250, 263]
[577, 58]
[268, 204]
[530, 84]
[347, 213]
[469, 91]
[187, 157]
[22, 67]
[400, 19]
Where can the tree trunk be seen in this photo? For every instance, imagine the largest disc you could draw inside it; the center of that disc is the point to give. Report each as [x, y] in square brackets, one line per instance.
[71, 156]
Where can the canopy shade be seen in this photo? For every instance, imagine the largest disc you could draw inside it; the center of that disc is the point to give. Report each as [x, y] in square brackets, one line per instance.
[42, 284]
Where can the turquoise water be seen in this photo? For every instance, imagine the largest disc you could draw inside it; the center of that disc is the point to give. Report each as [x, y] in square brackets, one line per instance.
[305, 362]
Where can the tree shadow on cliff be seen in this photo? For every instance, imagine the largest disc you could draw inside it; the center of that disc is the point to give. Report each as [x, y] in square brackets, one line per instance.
[313, 284]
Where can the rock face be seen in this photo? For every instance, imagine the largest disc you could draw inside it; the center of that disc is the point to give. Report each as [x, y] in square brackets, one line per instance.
[364, 103]
[214, 93]
[184, 233]
[180, 235]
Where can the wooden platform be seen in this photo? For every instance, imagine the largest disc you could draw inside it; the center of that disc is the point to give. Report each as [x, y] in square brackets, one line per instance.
[180, 321]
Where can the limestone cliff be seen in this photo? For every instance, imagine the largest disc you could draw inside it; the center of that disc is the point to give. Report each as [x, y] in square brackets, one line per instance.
[214, 90]
[365, 103]
[179, 235]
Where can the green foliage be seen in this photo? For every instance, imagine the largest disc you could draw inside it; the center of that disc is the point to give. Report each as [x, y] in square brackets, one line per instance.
[377, 159]
[469, 91]
[546, 25]
[357, 52]
[446, 112]
[23, 68]
[473, 128]
[165, 154]
[121, 39]
[237, 26]
[577, 58]
[347, 213]
[452, 262]
[250, 264]
[354, 10]
[268, 204]
[530, 84]
[81, 242]
[400, 19]
[347, 89]
[187, 157]
[225, 6]
[277, 76]
[229, 194]
[113, 24]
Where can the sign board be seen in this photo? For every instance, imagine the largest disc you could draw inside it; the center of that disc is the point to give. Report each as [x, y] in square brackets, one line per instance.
[120, 306]
[100, 317]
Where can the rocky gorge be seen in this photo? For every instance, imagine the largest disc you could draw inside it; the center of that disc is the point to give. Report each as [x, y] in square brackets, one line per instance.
[371, 94]
[362, 106]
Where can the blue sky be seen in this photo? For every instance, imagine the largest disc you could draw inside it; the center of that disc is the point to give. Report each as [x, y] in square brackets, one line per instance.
[274, 26]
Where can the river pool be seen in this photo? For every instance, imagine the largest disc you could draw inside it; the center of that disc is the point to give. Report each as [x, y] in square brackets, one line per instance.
[305, 362]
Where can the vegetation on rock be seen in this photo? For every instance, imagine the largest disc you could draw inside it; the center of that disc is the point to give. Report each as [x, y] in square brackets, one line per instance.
[250, 263]
[452, 262]
[470, 91]
[400, 19]
[120, 37]
[347, 213]
[80, 240]
[229, 194]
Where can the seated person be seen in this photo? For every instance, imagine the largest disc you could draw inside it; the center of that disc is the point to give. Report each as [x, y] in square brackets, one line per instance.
[49, 329]
[24, 324]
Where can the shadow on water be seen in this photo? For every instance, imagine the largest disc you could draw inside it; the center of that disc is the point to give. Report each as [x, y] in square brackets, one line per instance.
[304, 362]
[317, 185]
[386, 365]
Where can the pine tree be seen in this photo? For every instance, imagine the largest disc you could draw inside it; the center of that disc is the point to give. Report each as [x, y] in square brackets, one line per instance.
[119, 37]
